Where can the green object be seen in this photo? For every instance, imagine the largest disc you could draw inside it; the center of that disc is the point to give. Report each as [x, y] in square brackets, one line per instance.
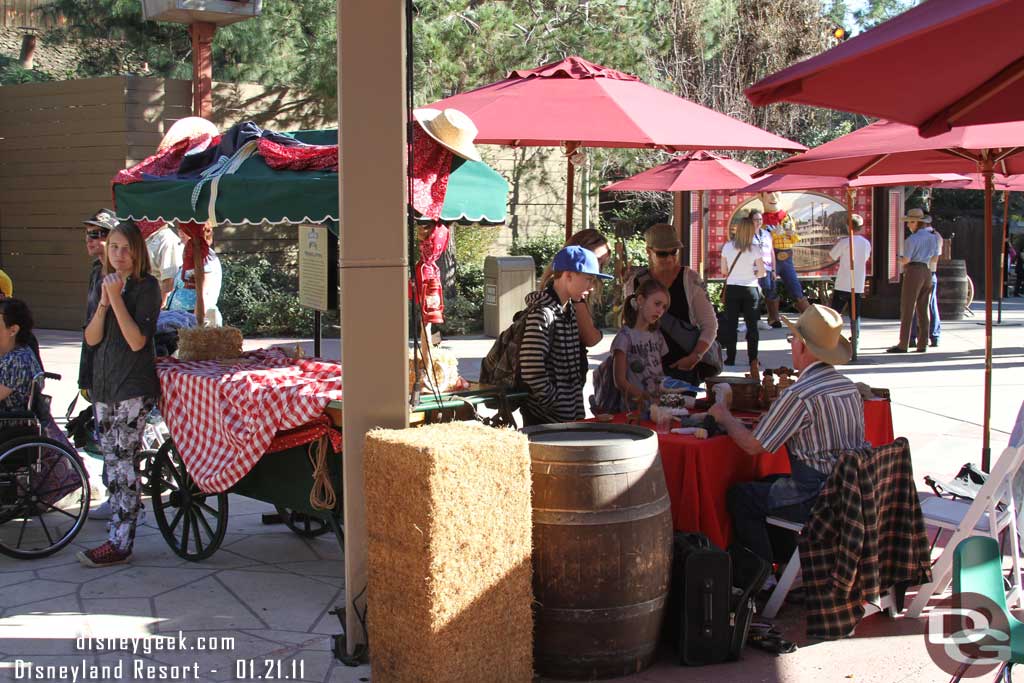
[256, 193]
[978, 568]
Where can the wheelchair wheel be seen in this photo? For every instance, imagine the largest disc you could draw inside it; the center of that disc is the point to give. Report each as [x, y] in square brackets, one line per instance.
[44, 497]
[192, 522]
[303, 524]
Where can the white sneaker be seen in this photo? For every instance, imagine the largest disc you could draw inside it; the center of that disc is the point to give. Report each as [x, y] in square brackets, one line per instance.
[101, 511]
[763, 325]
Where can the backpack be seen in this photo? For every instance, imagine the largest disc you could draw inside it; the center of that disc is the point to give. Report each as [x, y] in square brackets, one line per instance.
[500, 366]
[607, 397]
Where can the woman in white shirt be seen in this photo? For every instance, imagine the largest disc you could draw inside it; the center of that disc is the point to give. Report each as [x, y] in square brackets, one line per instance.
[742, 265]
[842, 289]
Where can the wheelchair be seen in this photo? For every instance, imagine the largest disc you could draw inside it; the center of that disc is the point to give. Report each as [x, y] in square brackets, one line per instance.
[44, 488]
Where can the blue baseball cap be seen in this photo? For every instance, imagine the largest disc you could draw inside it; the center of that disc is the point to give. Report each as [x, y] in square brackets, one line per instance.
[578, 260]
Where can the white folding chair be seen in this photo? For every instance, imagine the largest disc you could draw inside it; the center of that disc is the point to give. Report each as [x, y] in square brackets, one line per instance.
[993, 512]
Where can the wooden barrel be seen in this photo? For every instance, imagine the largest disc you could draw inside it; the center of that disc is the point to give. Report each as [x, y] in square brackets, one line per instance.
[602, 549]
[954, 288]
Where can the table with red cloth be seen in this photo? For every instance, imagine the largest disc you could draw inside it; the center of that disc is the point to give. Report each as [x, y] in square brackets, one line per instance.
[224, 414]
[699, 472]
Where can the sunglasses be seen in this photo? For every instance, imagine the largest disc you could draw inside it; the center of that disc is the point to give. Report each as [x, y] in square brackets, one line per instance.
[665, 254]
[97, 234]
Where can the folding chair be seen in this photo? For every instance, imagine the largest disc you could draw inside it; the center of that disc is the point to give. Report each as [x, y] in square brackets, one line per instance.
[992, 513]
[978, 568]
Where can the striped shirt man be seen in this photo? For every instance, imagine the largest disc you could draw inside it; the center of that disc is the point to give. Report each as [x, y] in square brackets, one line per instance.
[818, 417]
[550, 361]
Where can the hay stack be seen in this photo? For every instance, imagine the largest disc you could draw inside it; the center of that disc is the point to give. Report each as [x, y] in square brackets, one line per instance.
[449, 522]
[209, 343]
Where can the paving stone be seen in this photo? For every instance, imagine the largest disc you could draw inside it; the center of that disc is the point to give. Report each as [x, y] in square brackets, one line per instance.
[203, 604]
[8, 578]
[283, 601]
[325, 568]
[35, 591]
[141, 582]
[308, 641]
[264, 547]
[9, 674]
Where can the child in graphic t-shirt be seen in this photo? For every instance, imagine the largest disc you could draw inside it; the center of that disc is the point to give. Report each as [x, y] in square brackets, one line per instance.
[634, 370]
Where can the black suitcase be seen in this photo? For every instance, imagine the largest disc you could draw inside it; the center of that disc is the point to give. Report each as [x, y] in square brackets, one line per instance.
[711, 599]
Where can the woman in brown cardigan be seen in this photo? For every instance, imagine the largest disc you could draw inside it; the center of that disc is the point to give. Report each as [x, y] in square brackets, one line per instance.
[691, 324]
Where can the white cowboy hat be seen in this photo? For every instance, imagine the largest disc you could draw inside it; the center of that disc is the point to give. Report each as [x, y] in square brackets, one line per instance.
[450, 128]
[821, 328]
[917, 215]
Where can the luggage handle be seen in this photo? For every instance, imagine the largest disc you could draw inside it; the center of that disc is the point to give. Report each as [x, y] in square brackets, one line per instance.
[707, 629]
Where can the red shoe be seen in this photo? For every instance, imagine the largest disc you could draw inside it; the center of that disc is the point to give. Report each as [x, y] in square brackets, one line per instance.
[105, 555]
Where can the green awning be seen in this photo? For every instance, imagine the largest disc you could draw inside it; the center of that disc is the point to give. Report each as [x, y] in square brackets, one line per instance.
[256, 193]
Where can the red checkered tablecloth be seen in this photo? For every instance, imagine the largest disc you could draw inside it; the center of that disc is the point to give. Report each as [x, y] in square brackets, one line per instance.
[224, 414]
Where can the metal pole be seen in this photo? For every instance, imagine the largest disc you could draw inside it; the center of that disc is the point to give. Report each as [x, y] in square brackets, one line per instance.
[316, 332]
[853, 271]
[986, 451]
[570, 180]
[1002, 254]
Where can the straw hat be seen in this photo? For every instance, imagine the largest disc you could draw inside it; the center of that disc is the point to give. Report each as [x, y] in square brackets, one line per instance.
[858, 220]
[820, 328]
[917, 215]
[662, 237]
[450, 128]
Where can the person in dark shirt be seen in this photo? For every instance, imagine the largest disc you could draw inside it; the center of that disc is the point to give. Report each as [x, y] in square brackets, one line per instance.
[124, 382]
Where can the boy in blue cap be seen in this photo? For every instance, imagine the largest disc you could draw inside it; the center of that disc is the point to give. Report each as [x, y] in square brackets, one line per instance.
[552, 360]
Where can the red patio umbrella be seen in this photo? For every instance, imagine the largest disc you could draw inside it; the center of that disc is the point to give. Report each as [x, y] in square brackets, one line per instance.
[783, 183]
[942, 64]
[892, 148]
[577, 103]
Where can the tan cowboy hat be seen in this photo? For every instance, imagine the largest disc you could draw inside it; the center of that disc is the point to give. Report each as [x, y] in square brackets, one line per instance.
[820, 328]
[917, 215]
[451, 129]
[662, 237]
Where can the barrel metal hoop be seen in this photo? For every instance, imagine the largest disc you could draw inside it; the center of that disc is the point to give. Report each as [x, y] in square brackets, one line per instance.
[602, 614]
[597, 469]
[602, 517]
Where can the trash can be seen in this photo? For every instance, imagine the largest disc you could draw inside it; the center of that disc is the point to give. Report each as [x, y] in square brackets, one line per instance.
[507, 281]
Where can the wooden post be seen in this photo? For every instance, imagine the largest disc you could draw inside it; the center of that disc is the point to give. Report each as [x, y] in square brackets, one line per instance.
[201, 33]
[374, 263]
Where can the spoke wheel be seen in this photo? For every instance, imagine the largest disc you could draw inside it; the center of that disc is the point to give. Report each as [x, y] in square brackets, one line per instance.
[301, 523]
[145, 460]
[44, 497]
[192, 522]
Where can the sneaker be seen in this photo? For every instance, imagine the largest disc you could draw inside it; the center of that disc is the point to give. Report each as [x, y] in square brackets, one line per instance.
[101, 511]
[895, 349]
[105, 555]
[934, 342]
[775, 325]
[762, 325]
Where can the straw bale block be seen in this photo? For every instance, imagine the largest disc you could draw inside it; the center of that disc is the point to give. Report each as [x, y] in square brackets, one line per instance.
[449, 522]
[209, 343]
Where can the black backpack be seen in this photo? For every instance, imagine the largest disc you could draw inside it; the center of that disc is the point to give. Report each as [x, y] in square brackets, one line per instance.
[500, 366]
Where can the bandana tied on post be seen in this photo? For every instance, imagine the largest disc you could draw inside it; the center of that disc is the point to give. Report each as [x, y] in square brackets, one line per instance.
[431, 167]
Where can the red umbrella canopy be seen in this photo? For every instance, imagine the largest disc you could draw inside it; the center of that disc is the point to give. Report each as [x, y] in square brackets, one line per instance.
[787, 183]
[976, 181]
[578, 101]
[886, 148]
[942, 64]
[690, 171]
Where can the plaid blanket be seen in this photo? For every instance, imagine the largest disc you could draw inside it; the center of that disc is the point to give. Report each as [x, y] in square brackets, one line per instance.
[866, 534]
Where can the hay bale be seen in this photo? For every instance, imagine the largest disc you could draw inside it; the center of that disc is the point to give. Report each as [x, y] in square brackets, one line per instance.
[209, 343]
[449, 523]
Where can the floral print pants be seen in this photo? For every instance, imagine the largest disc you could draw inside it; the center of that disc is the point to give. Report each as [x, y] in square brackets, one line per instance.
[120, 426]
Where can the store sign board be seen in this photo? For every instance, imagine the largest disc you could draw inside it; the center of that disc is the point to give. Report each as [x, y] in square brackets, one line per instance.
[313, 265]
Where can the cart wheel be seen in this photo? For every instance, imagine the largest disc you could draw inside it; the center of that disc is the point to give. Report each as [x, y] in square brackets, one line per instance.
[192, 522]
[44, 497]
[304, 525]
[145, 459]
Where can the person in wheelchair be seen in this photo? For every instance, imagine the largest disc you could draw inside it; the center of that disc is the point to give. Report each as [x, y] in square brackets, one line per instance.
[18, 363]
[124, 382]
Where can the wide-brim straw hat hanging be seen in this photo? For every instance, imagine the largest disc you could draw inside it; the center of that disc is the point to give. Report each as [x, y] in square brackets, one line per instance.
[452, 129]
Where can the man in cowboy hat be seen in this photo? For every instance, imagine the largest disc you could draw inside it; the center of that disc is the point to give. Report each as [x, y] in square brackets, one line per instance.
[817, 418]
[918, 250]
[933, 299]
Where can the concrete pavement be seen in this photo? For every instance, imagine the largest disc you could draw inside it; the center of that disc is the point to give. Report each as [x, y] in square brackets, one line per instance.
[270, 591]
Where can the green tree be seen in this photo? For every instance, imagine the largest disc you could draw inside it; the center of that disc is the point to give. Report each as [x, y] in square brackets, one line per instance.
[291, 43]
[876, 12]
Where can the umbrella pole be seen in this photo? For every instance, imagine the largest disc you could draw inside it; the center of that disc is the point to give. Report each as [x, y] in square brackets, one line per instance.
[570, 181]
[1002, 255]
[986, 451]
[853, 271]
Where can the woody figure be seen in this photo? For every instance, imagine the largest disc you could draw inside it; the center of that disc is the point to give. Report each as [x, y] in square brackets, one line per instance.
[784, 237]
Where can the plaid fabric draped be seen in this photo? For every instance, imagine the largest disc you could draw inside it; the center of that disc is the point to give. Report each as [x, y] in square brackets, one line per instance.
[866, 534]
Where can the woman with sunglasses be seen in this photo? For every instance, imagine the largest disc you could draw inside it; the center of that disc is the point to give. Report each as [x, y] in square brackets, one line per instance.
[691, 324]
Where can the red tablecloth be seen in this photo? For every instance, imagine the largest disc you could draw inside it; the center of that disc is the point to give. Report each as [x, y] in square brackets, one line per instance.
[698, 472]
[223, 415]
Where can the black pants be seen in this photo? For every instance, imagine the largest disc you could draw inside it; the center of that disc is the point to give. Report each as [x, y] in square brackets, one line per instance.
[749, 505]
[841, 300]
[739, 301]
